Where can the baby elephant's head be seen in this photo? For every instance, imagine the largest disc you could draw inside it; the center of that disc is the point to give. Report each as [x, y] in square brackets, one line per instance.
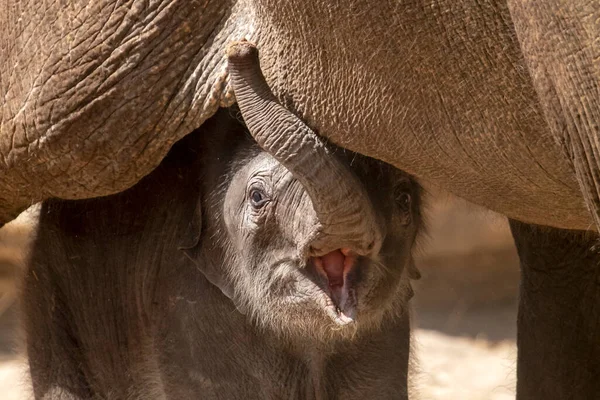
[289, 273]
[314, 243]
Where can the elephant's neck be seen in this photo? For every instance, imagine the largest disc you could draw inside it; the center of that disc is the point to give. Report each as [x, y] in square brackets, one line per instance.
[210, 344]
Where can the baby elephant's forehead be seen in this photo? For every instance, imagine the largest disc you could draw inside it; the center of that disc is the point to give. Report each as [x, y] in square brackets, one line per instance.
[266, 166]
[263, 162]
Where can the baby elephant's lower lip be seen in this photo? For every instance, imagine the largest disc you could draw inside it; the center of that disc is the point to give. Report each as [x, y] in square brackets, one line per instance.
[334, 268]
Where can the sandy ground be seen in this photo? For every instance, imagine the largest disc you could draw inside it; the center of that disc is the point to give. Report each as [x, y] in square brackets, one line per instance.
[13, 380]
[463, 368]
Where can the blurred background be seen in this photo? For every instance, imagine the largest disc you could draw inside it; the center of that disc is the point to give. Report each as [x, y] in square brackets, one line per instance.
[464, 311]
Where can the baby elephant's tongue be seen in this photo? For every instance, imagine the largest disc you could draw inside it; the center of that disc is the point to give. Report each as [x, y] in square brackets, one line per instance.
[333, 265]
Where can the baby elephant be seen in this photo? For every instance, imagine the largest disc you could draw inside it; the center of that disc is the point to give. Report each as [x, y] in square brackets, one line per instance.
[235, 270]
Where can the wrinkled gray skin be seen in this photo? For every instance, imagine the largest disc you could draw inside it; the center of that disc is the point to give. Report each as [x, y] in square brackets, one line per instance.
[118, 305]
[495, 101]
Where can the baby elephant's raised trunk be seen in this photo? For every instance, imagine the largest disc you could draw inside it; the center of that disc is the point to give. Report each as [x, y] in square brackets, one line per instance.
[342, 206]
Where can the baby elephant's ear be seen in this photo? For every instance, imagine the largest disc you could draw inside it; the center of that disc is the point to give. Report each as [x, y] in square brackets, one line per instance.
[190, 238]
[191, 246]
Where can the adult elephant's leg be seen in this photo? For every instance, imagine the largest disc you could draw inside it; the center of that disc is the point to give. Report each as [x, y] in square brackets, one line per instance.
[559, 313]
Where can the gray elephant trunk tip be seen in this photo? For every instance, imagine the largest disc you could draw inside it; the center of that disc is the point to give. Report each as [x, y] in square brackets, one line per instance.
[241, 51]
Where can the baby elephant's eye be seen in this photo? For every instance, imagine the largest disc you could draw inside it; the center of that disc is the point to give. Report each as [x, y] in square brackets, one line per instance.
[258, 198]
[403, 199]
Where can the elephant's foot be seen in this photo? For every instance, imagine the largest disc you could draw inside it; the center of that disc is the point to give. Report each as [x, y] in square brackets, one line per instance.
[559, 313]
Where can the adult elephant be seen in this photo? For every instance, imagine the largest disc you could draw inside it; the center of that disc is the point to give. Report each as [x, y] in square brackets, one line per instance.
[495, 101]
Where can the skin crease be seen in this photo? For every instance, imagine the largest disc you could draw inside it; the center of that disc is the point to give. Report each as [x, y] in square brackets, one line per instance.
[117, 294]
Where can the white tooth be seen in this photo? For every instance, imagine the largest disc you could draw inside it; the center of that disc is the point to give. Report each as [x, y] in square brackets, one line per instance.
[332, 313]
[348, 317]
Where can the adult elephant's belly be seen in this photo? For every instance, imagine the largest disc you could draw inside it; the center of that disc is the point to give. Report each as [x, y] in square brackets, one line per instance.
[441, 92]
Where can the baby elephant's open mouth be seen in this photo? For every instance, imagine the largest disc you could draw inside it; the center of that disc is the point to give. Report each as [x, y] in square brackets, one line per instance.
[337, 276]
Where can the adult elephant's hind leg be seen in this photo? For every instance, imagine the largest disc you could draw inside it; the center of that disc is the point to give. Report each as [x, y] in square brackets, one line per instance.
[559, 313]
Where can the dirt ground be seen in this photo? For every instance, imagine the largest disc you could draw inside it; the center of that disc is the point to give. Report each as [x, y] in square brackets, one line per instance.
[464, 368]
[464, 312]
